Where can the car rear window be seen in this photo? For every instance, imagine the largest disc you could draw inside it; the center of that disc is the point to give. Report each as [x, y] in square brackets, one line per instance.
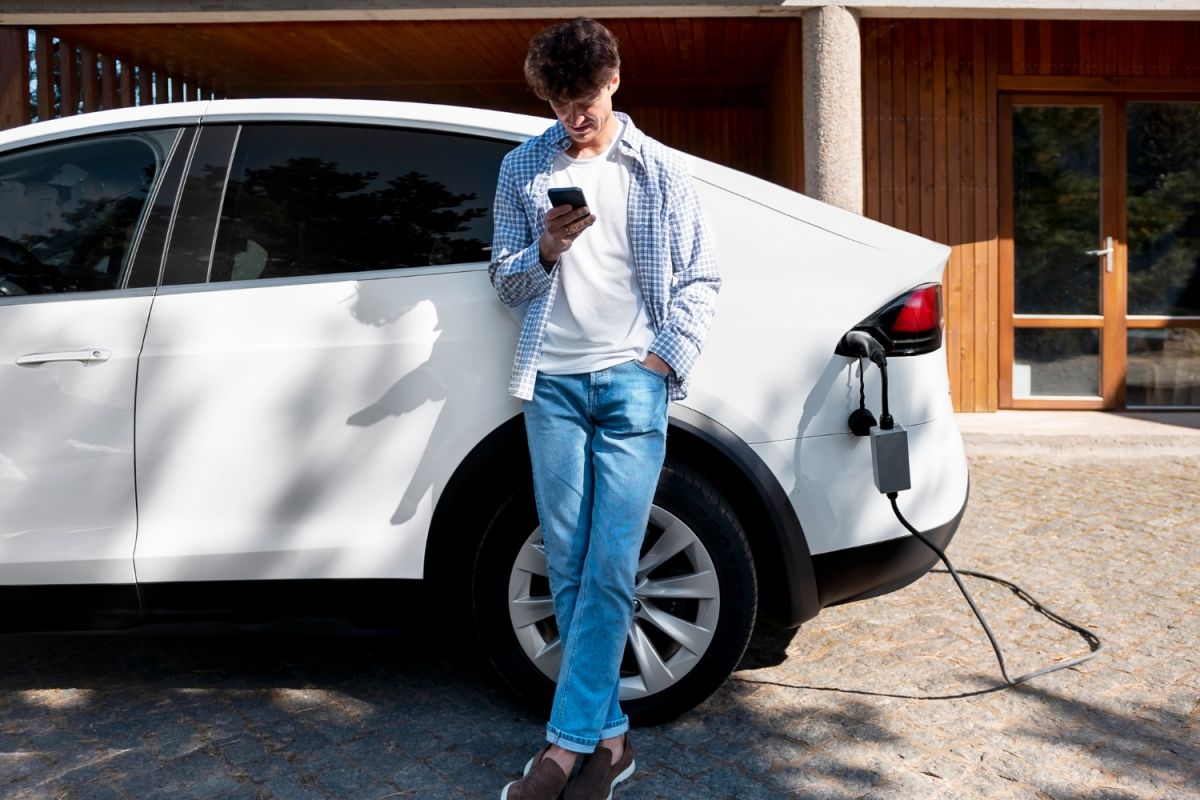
[319, 199]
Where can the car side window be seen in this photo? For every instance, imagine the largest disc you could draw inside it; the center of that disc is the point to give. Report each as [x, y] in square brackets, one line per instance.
[69, 212]
[309, 199]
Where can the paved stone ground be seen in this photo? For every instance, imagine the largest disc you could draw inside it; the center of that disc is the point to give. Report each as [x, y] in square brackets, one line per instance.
[896, 697]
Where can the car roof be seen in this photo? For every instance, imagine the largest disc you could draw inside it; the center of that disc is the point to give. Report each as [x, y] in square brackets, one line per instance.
[515, 127]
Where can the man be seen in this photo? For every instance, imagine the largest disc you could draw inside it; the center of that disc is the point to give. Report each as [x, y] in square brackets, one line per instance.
[620, 295]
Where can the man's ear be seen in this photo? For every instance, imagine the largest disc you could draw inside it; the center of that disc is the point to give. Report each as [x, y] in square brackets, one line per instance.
[616, 81]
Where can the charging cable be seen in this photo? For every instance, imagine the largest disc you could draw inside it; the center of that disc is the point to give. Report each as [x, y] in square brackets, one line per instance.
[1092, 639]
[889, 454]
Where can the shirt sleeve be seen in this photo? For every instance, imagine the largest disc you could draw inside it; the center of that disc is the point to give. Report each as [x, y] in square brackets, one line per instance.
[694, 281]
[516, 270]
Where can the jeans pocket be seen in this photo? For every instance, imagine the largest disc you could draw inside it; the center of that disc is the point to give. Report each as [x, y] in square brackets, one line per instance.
[660, 375]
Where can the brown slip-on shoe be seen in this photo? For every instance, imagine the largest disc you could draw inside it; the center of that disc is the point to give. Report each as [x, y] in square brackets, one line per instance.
[598, 776]
[543, 780]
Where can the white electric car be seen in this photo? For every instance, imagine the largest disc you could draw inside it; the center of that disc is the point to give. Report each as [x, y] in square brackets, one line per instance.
[251, 365]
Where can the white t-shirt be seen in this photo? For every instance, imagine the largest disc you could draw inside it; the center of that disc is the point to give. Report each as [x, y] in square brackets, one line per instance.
[599, 318]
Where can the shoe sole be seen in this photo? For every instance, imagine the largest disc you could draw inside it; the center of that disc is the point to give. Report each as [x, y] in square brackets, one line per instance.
[625, 773]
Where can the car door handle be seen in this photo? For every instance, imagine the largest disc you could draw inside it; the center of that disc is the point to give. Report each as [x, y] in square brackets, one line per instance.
[86, 356]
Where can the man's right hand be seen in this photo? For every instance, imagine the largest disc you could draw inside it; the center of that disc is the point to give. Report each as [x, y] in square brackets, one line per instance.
[563, 226]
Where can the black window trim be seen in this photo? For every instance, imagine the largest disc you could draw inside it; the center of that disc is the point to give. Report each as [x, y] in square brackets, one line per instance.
[216, 234]
[183, 182]
[162, 261]
[131, 256]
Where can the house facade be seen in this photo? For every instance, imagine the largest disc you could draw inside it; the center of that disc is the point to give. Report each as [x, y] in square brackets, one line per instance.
[1055, 145]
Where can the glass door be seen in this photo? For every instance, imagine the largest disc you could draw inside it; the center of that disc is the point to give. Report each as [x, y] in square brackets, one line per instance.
[1059, 294]
[1162, 217]
[1100, 252]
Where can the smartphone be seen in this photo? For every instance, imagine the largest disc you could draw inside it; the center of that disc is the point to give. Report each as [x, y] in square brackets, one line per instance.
[567, 196]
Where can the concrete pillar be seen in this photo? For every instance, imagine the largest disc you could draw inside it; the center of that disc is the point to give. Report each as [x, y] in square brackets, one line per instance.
[833, 141]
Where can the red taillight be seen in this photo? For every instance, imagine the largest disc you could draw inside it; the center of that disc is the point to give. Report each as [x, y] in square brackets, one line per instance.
[910, 325]
[922, 312]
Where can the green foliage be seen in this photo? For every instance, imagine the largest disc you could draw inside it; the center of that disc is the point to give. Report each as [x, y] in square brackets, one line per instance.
[1056, 203]
[1164, 208]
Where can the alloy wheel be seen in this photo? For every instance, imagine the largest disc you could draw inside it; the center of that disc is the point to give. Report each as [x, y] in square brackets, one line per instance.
[677, 602]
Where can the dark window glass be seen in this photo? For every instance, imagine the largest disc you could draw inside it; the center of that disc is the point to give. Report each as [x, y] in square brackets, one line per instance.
[318, 199]
[69, 212]
[147, 263]
[196, 220]
[1164, 208]
[1056, 209]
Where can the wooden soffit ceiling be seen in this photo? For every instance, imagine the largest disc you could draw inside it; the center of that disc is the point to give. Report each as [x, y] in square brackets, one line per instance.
[666, 61]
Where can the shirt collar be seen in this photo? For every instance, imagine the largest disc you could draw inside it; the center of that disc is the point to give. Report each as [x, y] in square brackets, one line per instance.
[630, 141]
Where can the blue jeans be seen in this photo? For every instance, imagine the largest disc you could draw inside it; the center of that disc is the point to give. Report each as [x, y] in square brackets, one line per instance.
[597, 441]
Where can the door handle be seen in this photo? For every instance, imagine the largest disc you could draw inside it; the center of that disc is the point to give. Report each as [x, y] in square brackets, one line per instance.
[95, 354]
[1107, 252]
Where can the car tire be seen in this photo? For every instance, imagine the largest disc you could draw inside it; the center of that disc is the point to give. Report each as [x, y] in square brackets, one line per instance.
[711, 606]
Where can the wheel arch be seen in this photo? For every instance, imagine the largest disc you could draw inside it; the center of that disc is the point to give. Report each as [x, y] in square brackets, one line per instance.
[482, 482]
[787, 582]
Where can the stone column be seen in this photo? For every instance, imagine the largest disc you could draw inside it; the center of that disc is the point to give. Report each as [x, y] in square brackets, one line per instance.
[833, 139]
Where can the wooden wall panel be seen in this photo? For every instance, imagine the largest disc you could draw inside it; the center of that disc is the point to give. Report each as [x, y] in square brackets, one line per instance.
[1113, 49]
[786, 112]
[703, 85]
[927, 141]
[14, 77]
[734, 137]
[931, 141]
[70, 76]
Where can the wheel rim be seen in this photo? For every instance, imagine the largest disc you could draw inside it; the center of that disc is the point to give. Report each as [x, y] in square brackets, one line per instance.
[677, 601]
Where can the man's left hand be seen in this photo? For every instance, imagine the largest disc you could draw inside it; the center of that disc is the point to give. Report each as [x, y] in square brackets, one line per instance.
[653, 362]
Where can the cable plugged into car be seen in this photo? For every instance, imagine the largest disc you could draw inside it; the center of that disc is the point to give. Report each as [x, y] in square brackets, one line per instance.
[889, 441]
[889, 453]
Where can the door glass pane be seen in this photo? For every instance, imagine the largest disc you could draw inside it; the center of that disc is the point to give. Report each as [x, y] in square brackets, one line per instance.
[1164, 367]
[319, 199]
[1056, 362]
[69, 212]
[1164, 209]
[1056, 209]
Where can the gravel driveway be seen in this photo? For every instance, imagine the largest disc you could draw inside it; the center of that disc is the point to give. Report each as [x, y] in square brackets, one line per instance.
[897, 697]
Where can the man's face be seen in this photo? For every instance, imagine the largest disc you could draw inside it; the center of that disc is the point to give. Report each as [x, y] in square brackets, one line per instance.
[587, 117]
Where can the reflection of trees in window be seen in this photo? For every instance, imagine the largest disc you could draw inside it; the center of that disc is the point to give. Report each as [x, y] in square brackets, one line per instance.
[1164, 208]
[1056, 206]
[312, 218]
[87, 251]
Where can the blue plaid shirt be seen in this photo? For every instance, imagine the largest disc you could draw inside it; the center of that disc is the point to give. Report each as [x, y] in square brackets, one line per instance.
[672, 252]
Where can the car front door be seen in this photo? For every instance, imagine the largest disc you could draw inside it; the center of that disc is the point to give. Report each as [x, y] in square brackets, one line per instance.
[75, 294]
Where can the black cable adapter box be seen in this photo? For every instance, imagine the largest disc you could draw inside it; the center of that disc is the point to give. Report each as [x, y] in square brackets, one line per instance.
[889, 455]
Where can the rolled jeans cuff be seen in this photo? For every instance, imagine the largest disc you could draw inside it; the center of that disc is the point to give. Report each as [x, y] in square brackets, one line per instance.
[568, 741]
[613, 729]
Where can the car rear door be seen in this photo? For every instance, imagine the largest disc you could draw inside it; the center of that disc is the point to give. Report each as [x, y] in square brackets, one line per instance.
[318, 361]
[82, 223]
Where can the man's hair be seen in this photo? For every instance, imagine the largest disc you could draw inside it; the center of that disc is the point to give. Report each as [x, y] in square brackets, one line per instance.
[571, 60]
